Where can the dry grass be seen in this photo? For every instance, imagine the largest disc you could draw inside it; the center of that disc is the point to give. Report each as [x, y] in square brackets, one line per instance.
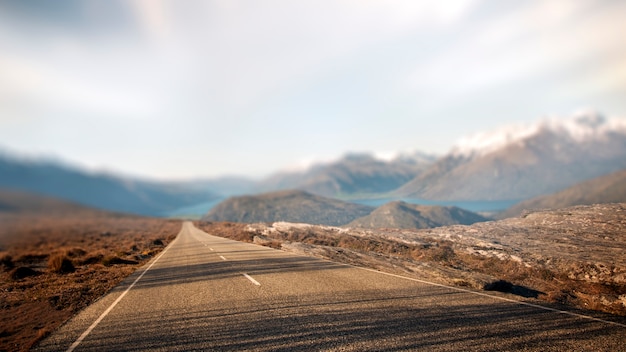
[51, 267]
[60, 263]
[508, 276]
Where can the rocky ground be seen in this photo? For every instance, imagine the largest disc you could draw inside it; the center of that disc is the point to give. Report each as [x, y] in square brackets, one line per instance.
[574, 256]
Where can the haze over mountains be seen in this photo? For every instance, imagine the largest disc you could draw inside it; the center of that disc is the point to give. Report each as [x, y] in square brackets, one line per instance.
[354, 174]
[509, 163]
[604, 189]
[521, 162]
[98, 190]
[505, 165]
[12, 201]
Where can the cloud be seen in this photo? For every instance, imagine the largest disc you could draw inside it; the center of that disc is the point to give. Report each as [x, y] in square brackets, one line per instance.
[247, 52]
[246, 78]
[152, 17]
[217, 57]
[537, 39]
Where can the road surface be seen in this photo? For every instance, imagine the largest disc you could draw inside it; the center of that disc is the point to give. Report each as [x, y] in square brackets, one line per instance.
[209, 293]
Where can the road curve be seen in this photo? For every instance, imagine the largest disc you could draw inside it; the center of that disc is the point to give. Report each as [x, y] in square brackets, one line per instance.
[209, 293]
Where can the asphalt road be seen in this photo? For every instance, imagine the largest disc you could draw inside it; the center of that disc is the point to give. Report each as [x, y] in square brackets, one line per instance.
[209, 293]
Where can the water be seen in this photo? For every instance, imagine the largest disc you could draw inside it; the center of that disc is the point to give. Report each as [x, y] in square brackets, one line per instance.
[194, 211]
[477, 206]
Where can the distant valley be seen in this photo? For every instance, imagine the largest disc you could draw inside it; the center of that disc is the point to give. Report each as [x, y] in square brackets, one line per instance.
[302, 207]
[485, 173]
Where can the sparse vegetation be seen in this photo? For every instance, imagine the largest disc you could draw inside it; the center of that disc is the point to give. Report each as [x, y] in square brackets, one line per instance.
[22, 272]
[51, 267]
[60, 263]
[6, 261]
[538, 256]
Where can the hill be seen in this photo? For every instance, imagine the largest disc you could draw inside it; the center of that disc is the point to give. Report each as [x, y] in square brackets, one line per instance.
[403, 215]
[520, 162]
[101, 191]
[291, 206]
[352, 174]
[604, 189]
[17, 202]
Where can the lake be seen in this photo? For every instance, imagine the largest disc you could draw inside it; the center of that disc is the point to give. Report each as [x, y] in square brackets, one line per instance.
[478, 206]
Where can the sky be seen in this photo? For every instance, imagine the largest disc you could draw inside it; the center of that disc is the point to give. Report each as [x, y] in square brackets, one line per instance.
[190, 89]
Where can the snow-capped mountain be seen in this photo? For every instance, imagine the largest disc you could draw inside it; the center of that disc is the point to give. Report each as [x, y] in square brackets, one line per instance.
[582, 127]
[352, 174]
[523, 161]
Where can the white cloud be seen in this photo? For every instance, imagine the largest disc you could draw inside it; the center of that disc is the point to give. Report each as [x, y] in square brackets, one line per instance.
[537, 40]
[247, 52]
[355, 74]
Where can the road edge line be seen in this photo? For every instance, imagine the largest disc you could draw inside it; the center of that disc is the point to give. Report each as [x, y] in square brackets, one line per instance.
[458, 289]
[251, 279]
[108, 310]
[493, 296]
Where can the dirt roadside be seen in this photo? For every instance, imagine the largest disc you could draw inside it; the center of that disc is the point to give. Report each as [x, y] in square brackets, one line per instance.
[573, 257]
[51, 267]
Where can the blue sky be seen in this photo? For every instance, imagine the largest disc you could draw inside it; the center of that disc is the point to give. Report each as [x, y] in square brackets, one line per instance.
[182, 89]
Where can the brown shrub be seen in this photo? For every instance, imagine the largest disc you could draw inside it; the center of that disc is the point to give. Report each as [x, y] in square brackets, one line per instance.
[91, 258]
[32, 258]
[60, 263]
[113, 259]
[6, 261]
[23, 272]
[443, 254]
[76, 252]
[84, 239]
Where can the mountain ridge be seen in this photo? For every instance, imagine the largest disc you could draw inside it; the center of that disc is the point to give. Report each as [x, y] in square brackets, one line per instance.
[354, 173]
[402, 215]
[609, 188]
[287, 205]
[512, 163]
[557, 155]
[580, 126]
[19, 202]
[103, 191]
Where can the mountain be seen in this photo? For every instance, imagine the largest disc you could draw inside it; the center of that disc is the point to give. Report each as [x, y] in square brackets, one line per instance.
[403, 215]
[520, 162]
[12, 201]
[98, 190]
[605, 189]
[290, 206]
[226, 186]
[353, 174]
